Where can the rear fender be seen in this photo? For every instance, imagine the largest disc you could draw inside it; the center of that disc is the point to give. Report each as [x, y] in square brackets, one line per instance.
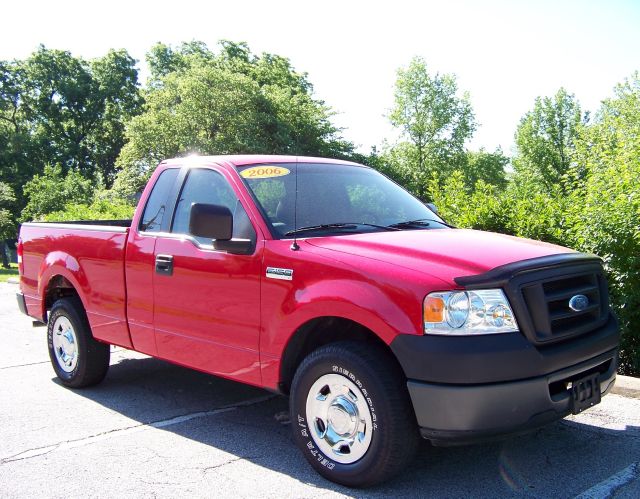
[59, 263]
[104, 326]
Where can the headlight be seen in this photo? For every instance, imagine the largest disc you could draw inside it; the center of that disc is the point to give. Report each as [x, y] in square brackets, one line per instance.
[456, 313]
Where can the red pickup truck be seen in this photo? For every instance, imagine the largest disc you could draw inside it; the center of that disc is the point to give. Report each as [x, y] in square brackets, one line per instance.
[326, 281]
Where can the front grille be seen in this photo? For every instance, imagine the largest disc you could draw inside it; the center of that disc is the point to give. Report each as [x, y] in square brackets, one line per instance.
[547, 303]
[539, 291]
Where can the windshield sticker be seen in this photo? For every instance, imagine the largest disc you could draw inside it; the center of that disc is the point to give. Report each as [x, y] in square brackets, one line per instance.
[266, 171]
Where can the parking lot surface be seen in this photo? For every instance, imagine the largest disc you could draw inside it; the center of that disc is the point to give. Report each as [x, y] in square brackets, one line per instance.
[152, 429]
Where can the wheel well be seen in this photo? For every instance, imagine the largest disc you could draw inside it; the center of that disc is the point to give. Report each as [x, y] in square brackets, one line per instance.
[58, 287]
[316, 333]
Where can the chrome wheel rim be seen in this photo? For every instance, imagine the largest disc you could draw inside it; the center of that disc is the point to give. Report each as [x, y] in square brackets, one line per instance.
[339, 418]
[65, 344]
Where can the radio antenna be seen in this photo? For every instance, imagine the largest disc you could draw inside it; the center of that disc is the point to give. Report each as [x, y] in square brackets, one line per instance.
[294, 244]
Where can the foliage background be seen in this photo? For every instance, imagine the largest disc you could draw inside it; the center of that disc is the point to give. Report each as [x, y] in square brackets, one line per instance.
[78, 139]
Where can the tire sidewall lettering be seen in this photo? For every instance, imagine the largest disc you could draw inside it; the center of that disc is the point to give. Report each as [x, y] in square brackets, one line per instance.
[304, 428]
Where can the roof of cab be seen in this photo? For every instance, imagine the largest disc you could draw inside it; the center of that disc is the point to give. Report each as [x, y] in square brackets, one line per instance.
[250, 159]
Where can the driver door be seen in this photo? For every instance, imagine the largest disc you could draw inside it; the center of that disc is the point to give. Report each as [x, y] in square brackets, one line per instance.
[207, 302]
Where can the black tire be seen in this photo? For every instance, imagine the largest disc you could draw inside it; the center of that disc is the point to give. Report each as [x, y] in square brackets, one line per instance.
[91, 357]
[394, 436]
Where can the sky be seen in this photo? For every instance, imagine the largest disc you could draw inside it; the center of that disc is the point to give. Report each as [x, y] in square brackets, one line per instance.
[503, 53]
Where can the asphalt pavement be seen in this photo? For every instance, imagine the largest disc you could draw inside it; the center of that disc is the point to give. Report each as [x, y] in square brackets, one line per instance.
[152, 429]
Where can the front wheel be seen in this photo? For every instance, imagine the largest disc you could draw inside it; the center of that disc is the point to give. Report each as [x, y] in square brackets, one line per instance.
[77, 358]
[351, 414]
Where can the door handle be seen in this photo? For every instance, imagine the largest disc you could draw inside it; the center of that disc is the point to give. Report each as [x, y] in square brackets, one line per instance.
[164, 264]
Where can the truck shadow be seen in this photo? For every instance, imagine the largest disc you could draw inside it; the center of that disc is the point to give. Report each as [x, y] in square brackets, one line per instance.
[561, 460]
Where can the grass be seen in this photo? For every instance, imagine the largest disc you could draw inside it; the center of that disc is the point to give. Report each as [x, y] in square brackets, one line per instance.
[12, 271]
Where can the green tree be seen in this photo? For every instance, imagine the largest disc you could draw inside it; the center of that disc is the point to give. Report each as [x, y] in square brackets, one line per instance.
[545, 138]
[434, 123]
[7, 226]
[61, 110]
[75, 109]
[117, 80]
[163, 59]
[224, 103]
[486, 166]
[204, 109]
[19, 153]
[52, 190]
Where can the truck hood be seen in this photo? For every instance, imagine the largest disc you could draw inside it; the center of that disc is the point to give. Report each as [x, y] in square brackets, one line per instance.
[441, 253]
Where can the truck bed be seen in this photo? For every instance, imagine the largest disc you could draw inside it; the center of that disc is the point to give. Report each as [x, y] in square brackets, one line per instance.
[90, 256]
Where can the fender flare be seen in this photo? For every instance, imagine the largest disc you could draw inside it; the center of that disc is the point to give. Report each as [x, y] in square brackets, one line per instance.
[59, 263]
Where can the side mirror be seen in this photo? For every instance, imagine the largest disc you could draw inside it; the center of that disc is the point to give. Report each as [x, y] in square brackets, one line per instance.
[432, 207]
[215, 222]
[211, 221]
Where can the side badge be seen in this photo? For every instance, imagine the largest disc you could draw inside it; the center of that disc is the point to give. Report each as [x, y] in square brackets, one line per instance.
[282, 274]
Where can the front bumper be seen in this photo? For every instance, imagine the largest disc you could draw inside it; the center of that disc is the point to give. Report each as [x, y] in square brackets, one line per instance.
[469, 389]
[459, 414]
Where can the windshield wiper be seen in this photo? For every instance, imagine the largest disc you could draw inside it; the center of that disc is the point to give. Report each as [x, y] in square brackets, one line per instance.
[344, 225]
[421, 222]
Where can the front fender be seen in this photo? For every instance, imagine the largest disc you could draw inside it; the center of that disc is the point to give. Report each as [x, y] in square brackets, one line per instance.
[386, 314]
[358, 301]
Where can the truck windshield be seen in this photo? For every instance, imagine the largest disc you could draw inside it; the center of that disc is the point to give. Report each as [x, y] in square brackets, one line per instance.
[336, 199]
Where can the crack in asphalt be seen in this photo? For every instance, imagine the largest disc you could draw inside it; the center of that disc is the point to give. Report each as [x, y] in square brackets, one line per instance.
[172, 484]
[71, 444]
[232, 460]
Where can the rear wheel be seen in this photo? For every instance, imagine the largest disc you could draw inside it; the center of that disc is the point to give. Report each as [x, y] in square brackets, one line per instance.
[77, 358]
[351, 414]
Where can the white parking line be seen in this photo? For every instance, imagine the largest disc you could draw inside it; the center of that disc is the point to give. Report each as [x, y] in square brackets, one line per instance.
[607, 487]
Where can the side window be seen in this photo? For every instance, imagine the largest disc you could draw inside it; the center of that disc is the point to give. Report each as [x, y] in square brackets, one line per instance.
[208, 186]
[157, 203]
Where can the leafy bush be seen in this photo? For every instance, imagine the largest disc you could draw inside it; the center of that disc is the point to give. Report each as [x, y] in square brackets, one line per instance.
[521, 209]
[52, 190]
[604, 207]
[55, 196]
[101, 209]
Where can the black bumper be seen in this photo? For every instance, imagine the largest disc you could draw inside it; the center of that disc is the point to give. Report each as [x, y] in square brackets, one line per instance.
[458, 414]
[21, 303]
[469, 389]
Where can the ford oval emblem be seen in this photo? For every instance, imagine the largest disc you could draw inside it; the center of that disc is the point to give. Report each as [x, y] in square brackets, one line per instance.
[578, 303]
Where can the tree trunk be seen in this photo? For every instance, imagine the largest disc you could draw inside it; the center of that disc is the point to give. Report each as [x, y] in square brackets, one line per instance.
[421, 186]
[3, 252]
